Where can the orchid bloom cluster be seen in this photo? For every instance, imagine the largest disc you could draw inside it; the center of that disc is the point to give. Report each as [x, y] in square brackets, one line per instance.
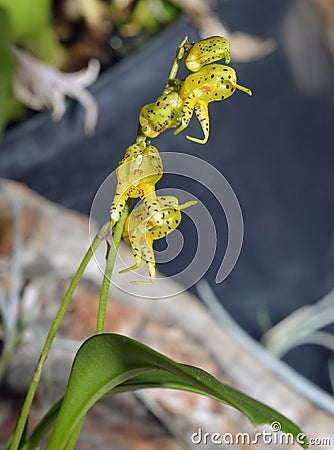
[141, 168]
[181, 98]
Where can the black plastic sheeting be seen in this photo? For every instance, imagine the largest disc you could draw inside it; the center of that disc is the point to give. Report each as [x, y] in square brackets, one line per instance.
[275, 149]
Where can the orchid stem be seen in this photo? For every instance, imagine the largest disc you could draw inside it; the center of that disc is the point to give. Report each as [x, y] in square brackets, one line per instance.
[111, 258]
[180, 51]
[21, 423]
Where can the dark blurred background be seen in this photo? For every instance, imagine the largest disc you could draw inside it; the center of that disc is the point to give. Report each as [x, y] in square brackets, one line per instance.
[275, 149]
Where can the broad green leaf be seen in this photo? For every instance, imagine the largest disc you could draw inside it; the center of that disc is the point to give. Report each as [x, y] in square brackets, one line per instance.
[109, 363]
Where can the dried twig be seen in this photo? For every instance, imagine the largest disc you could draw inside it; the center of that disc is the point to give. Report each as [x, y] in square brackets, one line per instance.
[39, 85]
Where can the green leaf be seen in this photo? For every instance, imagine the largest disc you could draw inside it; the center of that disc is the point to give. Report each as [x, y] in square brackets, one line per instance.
[110, 363]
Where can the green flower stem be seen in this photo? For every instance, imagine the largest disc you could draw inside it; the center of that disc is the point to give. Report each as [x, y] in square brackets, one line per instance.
[111, 257]
[75, 434]
[46, 348]
[140, 135]
[177, 61]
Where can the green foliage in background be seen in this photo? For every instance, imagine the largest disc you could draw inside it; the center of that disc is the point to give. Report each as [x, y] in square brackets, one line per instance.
[30, 24]
[27, 24]
[6, 68]
[27, 19]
